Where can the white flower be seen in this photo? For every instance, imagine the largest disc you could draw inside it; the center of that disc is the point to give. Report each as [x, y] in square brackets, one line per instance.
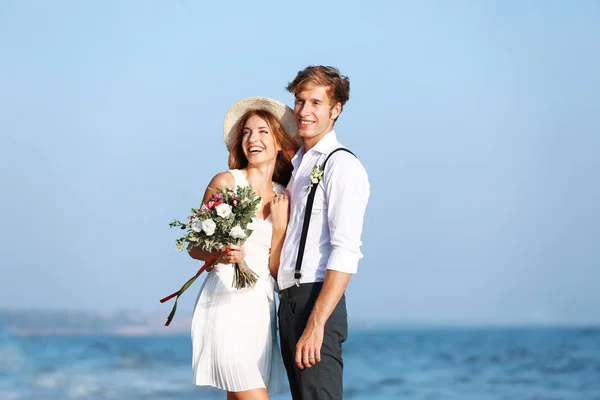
[252, 225]
[316, 174]
[223, 210]
[208, 226]
[197, 225]
[237, 232]
[179, 246]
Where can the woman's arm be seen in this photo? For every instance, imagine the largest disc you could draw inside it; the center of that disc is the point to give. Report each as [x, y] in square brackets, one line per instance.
[279, 217]
[202, 255]
[237, 253]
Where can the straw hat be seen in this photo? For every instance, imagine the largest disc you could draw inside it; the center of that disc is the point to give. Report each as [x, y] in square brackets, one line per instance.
[283, 113]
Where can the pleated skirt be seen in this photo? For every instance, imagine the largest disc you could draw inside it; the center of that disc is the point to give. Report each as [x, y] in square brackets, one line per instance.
[234, 335]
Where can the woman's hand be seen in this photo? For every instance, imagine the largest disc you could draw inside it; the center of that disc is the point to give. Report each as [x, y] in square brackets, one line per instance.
[235, 254]
[280, 212]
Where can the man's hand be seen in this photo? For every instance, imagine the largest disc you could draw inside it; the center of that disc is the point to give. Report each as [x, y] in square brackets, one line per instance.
[308, 349]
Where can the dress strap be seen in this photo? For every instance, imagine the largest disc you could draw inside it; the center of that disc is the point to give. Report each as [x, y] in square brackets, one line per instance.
[238, 177]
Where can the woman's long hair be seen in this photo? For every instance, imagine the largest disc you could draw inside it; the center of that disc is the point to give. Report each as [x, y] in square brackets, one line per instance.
[288, 145]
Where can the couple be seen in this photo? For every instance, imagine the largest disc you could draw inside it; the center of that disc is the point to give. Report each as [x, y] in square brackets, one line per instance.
[234, 332]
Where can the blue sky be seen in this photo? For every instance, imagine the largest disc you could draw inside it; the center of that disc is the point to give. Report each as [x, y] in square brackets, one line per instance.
[478, 122]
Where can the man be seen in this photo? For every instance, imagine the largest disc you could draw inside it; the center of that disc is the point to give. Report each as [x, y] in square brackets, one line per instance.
[313, 322]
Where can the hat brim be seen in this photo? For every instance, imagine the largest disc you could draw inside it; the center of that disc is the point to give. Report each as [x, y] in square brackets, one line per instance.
[283, 113]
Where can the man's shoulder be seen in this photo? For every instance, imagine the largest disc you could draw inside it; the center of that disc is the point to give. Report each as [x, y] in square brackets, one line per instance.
[345, 166]
[344, 156]
[339, 149]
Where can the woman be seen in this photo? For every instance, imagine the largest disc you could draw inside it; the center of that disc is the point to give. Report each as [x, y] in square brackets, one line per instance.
[234, 331]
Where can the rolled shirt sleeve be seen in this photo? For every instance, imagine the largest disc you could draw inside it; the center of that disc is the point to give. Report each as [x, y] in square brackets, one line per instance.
[347, 189]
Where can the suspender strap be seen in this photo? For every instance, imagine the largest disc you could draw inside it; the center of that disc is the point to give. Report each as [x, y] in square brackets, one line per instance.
[307, 213]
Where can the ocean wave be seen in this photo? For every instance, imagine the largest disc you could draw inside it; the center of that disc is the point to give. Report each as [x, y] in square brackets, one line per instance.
[12, 359]
[473, 365]
[9, 394]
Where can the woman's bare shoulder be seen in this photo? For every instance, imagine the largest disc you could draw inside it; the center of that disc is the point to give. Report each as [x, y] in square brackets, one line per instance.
[222, 180]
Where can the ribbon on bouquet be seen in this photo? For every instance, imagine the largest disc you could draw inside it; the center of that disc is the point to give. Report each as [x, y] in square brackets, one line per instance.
[178, 293]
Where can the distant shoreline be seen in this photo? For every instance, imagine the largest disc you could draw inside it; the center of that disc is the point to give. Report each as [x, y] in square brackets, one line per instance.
[136, 324]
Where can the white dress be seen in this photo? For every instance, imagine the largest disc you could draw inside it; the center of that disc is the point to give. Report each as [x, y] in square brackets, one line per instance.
[234, 331]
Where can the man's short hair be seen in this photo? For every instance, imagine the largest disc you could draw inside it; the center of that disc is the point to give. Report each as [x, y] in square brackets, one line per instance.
[336, 85]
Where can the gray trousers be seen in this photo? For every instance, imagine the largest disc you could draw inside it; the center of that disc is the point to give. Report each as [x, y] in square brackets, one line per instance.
[324, 380]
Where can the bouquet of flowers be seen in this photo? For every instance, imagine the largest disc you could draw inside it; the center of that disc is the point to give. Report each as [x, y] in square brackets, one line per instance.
[225, 219]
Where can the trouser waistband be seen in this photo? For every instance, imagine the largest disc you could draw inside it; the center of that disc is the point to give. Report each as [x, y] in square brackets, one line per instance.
[304, 288]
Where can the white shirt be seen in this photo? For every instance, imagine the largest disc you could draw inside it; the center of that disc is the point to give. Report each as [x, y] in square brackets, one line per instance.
[334, 235]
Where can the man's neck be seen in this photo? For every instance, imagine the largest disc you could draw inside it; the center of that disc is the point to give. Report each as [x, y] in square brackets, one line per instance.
[309, 143]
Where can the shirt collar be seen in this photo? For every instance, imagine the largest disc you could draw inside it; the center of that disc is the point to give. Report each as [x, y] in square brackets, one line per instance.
[323, 146]
[297, 158]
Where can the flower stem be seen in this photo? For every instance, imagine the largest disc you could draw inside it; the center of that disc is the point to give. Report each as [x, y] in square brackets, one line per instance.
[243, 276]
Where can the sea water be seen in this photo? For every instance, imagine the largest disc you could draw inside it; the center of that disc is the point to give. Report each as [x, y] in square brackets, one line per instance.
[452, 364]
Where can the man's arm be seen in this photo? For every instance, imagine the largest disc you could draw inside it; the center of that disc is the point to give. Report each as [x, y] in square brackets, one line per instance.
[308, 349]
[347, 189]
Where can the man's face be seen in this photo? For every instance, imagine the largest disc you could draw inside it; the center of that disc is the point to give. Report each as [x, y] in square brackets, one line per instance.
[314, 114]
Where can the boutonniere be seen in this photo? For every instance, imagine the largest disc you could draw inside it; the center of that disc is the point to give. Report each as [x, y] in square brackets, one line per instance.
[315, 175]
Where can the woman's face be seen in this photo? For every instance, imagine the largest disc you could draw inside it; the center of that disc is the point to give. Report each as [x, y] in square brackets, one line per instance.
[258, 144]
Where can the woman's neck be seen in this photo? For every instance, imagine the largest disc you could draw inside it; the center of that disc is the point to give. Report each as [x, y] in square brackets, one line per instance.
[261, 177]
